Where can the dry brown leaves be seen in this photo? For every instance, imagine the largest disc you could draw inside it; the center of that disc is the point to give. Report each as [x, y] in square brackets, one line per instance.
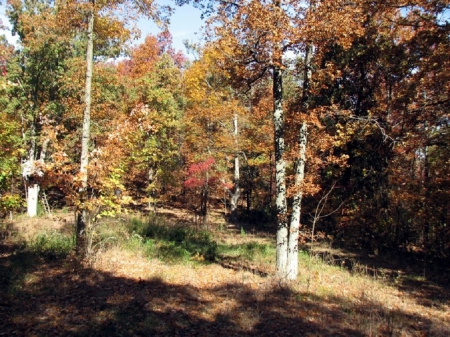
[125, 294]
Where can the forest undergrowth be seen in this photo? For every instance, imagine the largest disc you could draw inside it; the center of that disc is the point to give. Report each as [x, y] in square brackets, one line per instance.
[162, 275]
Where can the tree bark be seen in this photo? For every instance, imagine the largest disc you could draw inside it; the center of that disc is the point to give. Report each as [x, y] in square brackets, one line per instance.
[280, 173]
[300, 173]
[32, 199]
[82, 215]
[236, 194]
[294, 226]
[28, 170]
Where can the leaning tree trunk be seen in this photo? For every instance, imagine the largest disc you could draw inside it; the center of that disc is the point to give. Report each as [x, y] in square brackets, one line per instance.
[82, 215]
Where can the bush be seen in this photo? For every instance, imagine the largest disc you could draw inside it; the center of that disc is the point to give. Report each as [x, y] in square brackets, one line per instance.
[10, 202]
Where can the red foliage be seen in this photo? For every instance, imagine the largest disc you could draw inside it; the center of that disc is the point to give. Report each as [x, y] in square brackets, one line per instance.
[165, 46]
[197, 173]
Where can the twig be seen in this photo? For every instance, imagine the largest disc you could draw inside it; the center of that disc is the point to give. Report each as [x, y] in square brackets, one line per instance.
[375, 121]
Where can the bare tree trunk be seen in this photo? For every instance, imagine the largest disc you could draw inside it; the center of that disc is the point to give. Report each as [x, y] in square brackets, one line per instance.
[280, 173]
[28, 171]
[151, 192]
[31, 171]
[296, 206]
[32, 199]
[300, 172]
[236, 194]
[204, 196]
[34, 188]
[82, 211]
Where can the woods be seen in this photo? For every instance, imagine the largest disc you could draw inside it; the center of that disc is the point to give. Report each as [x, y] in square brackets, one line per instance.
[285, 103]
[287, 175]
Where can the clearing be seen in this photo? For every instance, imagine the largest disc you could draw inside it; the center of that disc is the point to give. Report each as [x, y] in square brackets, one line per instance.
[161, 276]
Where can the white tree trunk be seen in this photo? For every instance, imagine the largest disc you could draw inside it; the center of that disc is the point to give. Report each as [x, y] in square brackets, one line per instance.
[280, 174]
[297, 205]
[236, 194]
[85, 137]
[300, 173]
[28, 171]
[32, 200]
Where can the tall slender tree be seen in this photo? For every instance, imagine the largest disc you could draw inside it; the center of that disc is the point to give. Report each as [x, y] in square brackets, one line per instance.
[85, 136]
[254, 38]
[96, 9]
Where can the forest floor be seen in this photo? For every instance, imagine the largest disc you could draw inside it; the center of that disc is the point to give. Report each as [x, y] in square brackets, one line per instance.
[121, 291]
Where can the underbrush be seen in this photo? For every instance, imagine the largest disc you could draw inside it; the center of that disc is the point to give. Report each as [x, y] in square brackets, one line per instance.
[52, 245]
[157, 238]
[154, 237]
[257, 257]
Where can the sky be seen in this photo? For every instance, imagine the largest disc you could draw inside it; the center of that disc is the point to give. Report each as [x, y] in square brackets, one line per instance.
[4, 20]
[185, 24]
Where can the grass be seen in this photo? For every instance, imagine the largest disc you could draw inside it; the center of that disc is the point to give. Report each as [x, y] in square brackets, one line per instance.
[171, 243]
[51, 245]
[152, 276]
[182, 243]
[249, 251]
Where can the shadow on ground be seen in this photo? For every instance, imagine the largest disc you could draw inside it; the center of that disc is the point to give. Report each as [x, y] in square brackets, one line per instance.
[427, 281]
[44, 296]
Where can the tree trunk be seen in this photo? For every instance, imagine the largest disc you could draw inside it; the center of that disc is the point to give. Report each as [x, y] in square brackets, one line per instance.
[32, 199]
[204, 195]
[300, 173]
[82, 211]
[280, 173]
[32, 172]
[236, 194]
[28, 171]
[271, 161]
[296, 206]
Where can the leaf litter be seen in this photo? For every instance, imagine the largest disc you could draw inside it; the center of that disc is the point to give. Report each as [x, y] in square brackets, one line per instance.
[123, 293]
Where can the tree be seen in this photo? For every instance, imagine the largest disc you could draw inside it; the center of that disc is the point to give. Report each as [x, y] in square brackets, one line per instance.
[35, 75]
[253, 38]
[96, 9]
[212, 114]
[52, 32]
[82, 217]
[155, 102]
[11, 148]
[397, 112]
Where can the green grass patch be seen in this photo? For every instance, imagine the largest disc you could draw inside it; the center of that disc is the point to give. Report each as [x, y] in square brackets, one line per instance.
[138, 243]
[249, 251]
[51, 245]
[171, 243]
